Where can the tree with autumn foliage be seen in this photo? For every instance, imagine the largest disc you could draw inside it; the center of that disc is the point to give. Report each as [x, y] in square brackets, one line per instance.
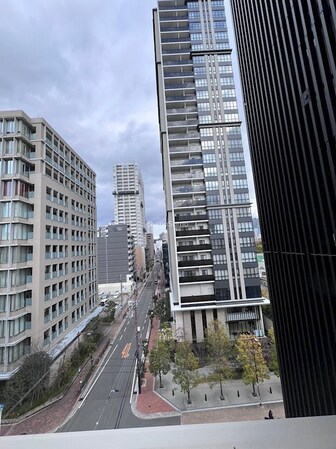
[186, 364]
[159, 360]
[251, 357]
[218, 349]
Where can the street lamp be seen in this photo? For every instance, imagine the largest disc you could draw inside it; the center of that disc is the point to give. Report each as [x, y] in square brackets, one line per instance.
[137, 351]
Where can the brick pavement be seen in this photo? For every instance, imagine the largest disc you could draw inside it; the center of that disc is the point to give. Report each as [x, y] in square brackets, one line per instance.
[149, 404]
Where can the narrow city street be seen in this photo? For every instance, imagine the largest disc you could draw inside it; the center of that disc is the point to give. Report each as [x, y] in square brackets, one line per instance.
[107, 402]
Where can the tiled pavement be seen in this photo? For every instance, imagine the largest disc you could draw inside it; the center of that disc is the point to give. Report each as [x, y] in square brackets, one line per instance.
[149, 404]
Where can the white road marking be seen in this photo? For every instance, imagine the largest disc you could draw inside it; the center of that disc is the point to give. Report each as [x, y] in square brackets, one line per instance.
[98, 375]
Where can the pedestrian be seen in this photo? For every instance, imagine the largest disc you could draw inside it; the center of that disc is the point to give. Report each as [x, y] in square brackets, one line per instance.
[270, 415]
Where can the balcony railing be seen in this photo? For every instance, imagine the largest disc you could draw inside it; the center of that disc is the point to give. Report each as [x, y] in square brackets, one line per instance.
[191, 217]
[189, 203]
[190, 161]
[197, 298]
[242, 316]
[189, 232]
[183, 248]
[195, 263]
[200, 278]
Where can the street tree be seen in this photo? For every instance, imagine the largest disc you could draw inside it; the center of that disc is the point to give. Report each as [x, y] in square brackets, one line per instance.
[30, 382]
[218, 349]
[159, 360]
[162, 308]
[273, 363]
[186, 364]
[251, 357]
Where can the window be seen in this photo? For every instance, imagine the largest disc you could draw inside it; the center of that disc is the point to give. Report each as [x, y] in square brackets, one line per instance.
[245, 226]
[217, 243]
[196, 37]
[224, 58]
[219, 24]
[211, 185]
[219, 259]
[210, 171]
[231, 117]
[196, 47]
[198, 59]
[241, 198]
[203, 106]
[238, 169]
[192, 5]
[235, 143]
[240, 184]
[249, 257]
[201, 82]
[213, 199]
[205, 119]
[215, 213]
[202, 94]
[208, 144]
[209, 158]
[221, 275]
[230, 105]
[246, 241]
[251, 272]
[234, 157]
[216, 228]
[228, 80]
[219, 13]
[194, 15]
[228, 93]
[194, 25]
[206, 132]
[222, 35]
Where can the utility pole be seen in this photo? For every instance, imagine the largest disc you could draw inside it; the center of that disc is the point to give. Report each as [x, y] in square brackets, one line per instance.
[137, 352]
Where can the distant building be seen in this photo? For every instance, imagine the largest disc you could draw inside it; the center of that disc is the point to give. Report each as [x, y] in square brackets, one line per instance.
[149, 250]
[165, 262]
[115, 253]
[129, 207]
[48, 245]
[256, 228]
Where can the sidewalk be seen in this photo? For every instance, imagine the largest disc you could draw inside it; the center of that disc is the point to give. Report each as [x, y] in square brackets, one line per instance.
[50, 418]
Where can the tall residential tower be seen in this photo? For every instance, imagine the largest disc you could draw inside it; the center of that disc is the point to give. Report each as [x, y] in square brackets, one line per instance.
[212, 258]
[47, 246]
[287, 52]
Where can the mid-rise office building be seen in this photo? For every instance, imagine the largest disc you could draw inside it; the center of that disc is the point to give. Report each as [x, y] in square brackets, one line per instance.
[47, 246]
[115, 253]
[287, 59]
[149, 250]
[129, 207]
[212, 257]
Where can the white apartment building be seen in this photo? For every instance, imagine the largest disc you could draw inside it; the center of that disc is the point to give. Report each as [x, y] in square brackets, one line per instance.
[130, 200]
[212, 257]
[48, 238]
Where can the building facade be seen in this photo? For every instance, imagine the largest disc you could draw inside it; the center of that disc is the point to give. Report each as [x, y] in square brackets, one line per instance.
[129, 207]
[115, 253]
[287, 59]
[47, 246]
[212, 258]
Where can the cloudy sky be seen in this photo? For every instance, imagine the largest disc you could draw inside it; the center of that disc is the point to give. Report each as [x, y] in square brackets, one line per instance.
[87, 67]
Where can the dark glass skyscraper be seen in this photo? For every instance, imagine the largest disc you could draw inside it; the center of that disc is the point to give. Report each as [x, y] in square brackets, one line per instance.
[287, 60]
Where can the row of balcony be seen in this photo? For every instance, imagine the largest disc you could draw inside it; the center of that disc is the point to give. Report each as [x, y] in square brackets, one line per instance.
[190, 217]
[195, 263]
[189, 232]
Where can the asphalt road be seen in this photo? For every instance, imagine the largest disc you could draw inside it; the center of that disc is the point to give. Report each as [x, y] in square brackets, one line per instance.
[107, 404]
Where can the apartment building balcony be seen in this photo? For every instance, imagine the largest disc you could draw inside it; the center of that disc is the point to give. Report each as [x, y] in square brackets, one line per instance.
[195, 263]
[182, 175]
[173, 29]
[179, 98]
[171, 18]
[178, 62]
[185, 189]
[199, 278]
[242, 316]
[182, 111]
[188, 203]
[175, 39]
[184, 136]
[201, 299]
[191, 217]
[197, 247]
[169, 7]
[182, 123]
[179, 74]
[190, 232]
[184, 149]
[194, 160]
[177, 51]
